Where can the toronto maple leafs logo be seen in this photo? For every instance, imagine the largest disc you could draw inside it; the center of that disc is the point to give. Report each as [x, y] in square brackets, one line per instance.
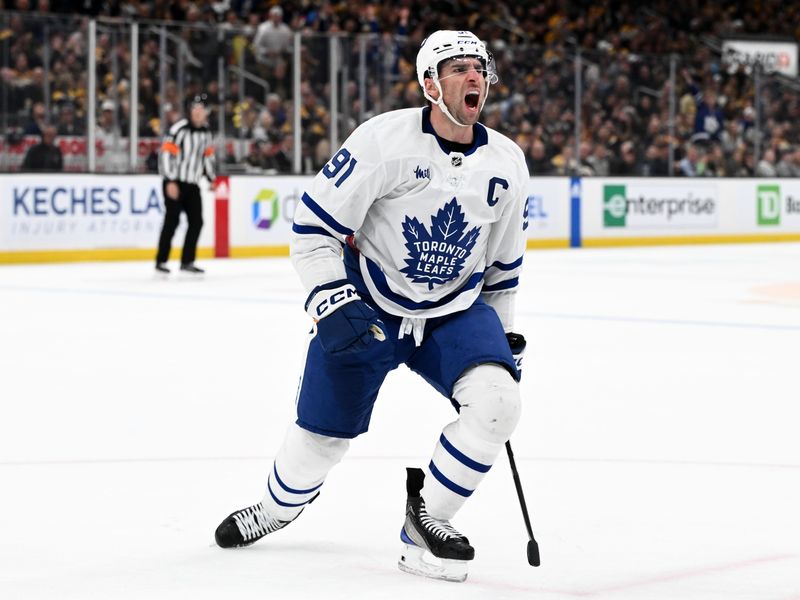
[438, 255]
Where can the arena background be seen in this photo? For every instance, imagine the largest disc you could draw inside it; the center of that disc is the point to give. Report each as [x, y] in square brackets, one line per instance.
[597, 95]
[658, 444]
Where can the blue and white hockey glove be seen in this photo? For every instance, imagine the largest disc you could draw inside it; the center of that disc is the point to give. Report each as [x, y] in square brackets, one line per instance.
[345, 323]
[517, 343]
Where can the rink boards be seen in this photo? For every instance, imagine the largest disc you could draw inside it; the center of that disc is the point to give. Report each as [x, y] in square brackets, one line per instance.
[65, 217]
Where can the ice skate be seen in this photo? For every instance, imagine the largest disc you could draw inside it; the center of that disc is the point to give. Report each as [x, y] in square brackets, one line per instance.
[431, 547]
[246, 526]
[192, 268]
[162, 268]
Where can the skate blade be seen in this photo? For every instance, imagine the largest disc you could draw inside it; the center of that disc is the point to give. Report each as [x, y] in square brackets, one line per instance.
[418, 561]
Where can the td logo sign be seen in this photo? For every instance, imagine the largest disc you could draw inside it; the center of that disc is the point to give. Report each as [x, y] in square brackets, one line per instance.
[266, 208]
[769, 204]
[776, 209]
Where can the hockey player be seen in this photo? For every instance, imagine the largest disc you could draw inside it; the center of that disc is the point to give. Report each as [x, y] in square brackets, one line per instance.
[410, 244]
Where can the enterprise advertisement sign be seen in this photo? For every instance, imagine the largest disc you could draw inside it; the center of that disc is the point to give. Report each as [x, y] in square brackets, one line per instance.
[639, 204]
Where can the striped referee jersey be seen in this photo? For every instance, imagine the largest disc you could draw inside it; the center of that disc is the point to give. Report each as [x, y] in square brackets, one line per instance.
[187, 153]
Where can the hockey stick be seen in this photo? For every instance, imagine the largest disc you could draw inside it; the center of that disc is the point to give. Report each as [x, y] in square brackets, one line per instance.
[533, 547]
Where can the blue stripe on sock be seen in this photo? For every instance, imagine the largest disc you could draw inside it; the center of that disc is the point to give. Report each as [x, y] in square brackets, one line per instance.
[291, 490]
[453, 487]
[280, 502]
[463, 458]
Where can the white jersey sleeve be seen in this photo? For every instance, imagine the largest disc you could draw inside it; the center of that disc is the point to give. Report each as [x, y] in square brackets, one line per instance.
[505, 251]
[334, 208]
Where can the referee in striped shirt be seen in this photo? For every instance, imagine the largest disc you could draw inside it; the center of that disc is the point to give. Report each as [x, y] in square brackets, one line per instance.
[187, 154]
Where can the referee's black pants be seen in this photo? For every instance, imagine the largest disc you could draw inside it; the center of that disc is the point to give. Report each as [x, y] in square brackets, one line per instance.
[190, 202]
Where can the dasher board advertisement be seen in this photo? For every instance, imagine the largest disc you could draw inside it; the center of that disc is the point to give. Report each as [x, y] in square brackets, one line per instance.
[84, 212]
[548, 217]
[768, 205]
[640, 206]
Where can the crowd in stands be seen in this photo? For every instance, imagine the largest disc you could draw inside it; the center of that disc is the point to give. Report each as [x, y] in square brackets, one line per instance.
[624, 96]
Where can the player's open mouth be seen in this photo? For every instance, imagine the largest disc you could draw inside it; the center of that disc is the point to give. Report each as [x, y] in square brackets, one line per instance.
[471, 99]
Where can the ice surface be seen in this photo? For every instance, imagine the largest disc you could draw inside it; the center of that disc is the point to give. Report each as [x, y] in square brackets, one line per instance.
[658, 448]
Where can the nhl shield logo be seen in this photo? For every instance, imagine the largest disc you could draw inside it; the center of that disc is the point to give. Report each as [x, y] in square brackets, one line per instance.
[456, 160]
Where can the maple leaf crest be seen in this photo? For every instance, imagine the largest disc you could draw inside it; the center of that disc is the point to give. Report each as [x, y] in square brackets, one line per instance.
[437, 256]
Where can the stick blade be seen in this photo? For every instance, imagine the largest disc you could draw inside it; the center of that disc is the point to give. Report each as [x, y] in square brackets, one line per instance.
[533, 553]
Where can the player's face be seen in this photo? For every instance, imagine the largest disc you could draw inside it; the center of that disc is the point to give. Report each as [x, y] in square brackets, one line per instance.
[463, 82]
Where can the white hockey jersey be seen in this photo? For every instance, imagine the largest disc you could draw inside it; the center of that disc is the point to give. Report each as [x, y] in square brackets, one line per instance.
[434, 228]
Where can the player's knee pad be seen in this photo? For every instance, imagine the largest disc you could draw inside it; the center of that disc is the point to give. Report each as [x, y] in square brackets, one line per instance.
[490, 402]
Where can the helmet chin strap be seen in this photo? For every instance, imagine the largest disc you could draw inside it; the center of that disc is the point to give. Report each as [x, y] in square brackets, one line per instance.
[440, 103]
[443, 107]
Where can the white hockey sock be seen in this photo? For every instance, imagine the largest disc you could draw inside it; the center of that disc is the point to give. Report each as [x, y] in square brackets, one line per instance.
[458, 465]
[467, 448]
[299, 470]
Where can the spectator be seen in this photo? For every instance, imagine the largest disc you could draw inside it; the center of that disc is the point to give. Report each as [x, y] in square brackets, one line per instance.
[111, 153]
[19, 82]
[276, 110]
[34, 91]
[273, 37]
[253, 160]
[625, 95]
[747, 124]
[538, 163]
[38, 119]
[694, 163]
[789, 164]
[709, 117]
[67, 123]
[564, 163]
[766, 166]
[626, 163]
[585, 168]
[248, 120]
[279, 77]
[314, 121]
[268, 155]
[264, 126]
[46, 155]
[716, 164]
[600, 161]
[657, 160]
